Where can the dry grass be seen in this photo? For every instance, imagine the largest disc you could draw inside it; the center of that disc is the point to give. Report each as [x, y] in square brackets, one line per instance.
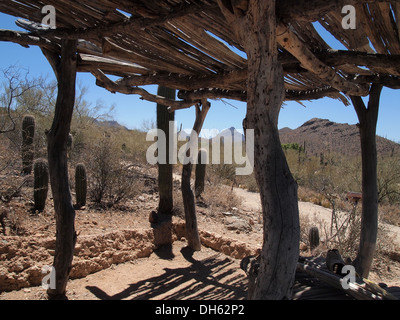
[307, 195]
[220, 197]
[390, 214]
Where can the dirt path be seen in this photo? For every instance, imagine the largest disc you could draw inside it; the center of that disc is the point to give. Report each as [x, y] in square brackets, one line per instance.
[174, 273]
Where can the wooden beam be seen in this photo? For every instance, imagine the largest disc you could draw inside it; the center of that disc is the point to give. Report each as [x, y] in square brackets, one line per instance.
[184, 82]
[24, 39]
[105, 82]
[391, 63]
[88, 63]
[385, 80]
[239, 95]
[290, 42]
[212, 93]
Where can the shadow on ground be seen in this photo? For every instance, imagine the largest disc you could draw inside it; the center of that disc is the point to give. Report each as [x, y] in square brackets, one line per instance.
[210, 278]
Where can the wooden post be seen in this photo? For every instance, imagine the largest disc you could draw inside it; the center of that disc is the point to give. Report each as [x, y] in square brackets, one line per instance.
[165, 186]
[57, 137]
[254, 23]
[368, 118]
[192, 232]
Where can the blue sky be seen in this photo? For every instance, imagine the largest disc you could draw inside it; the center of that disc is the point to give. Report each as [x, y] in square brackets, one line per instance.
[131, 111]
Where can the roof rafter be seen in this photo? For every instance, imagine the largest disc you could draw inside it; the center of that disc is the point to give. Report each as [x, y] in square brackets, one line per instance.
[108, 84]
[289, 41]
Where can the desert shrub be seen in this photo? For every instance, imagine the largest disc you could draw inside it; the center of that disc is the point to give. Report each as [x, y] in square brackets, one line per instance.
[178, 209]
[390, 213]
[389, 180]
[111, 179]
[220, 197]
[13, 222]
[11, 182]
[248, 182]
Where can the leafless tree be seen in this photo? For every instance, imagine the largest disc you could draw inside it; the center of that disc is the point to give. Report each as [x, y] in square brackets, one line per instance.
[14, 86]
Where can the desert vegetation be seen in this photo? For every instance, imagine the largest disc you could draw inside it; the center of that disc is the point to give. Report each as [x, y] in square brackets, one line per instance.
[111, 158]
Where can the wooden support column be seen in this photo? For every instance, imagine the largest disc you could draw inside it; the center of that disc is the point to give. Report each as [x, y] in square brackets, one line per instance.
[255, 25]
[192, 232]
[65, 70]
[165, 179]
[368, 117]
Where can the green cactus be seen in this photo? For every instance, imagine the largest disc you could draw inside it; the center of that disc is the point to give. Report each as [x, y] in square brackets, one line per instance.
[80, 185]
[41, 183]
[200, 172]
[165, 170]
[313, 237]
[28, 133]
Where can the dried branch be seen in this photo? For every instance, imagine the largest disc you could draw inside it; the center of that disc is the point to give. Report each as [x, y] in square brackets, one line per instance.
[16, 88]
[105, 82]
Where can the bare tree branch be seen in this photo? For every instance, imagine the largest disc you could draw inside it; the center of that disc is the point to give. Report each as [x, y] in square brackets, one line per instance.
[15, 88]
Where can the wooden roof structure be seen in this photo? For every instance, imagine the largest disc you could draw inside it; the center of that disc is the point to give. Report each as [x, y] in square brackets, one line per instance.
[188, 45]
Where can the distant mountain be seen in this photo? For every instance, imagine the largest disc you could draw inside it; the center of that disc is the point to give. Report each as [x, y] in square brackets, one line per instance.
[183, 135]
[322, 135]
[232, 133]
[109, 123]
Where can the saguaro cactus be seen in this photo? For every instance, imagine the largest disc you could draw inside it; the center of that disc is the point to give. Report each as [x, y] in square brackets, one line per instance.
[165, 170]
[41, 183]
[28, 132]
[200, 172]
[70, 144]
[80, 185]
[313, 237]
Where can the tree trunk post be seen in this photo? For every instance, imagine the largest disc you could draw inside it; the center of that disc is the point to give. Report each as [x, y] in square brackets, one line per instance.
[57, 137]
[192, 232]
[165, 181]
[368, 118]
[255, 25]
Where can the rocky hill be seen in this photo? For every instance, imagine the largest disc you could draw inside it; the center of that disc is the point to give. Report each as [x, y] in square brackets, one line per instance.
[231, 133]
[322, 135]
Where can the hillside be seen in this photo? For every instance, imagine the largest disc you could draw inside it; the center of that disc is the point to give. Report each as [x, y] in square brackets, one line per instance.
[322, 135]
[231, 133]
[318, 135]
